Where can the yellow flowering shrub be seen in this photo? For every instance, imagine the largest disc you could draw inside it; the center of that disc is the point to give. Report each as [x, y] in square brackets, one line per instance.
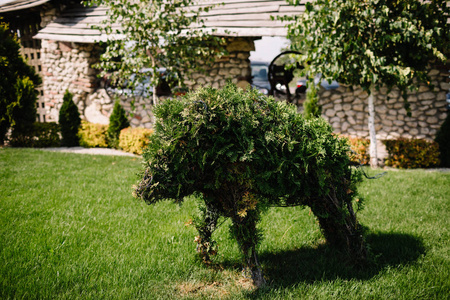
[92, 135]
[133, 140]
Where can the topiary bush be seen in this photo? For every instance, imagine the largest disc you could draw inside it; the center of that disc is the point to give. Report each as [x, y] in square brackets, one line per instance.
[134, 140]
[443, 139]
[93, 135]
[117, 121]
[412, 153]
[243, 152]
[69, 121]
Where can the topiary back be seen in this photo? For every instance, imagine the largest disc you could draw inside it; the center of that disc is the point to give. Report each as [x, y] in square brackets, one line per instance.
[443, 139]
[117, 121]
[69, 121]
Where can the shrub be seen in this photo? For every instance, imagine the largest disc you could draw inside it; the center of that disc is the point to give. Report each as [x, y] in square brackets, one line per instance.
[117, 121]
[243, 152]
[42, 135]
[443, 139]
[93, 135]
[69, 121]
[411, 153]
[134, 140]
[46, 135]
[360, 153]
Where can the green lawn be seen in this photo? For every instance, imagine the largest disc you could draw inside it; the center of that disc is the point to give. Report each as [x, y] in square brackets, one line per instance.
[70, 229]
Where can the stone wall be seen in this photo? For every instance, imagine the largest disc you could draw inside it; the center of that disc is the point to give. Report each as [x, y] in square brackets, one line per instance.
[347, 110]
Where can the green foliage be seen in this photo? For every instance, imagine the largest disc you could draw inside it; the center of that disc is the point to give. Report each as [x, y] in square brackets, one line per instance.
[93, 135]
[117, 121]
[443, 139]
[17, 95]
[372, 43]
[311, 106]
[39, 135]
[134, 140]
[242, 152]
[46, 134]
[69, 121]
[173, 34]
[412, 153]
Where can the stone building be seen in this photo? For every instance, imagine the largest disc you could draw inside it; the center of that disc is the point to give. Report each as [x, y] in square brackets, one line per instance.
[68, 47]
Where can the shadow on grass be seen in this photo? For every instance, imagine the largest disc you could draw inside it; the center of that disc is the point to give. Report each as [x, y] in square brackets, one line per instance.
[323, 263]
[309, 264]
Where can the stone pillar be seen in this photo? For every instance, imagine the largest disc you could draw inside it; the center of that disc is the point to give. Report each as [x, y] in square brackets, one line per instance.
[68, 66]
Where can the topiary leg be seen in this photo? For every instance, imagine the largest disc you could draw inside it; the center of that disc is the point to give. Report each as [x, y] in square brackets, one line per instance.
[247, 236]
[339, 225]
[205, 227]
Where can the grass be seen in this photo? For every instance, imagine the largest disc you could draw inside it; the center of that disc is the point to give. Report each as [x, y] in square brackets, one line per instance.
[70, 229]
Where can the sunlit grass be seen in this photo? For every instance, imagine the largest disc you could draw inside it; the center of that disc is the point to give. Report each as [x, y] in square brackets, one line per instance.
[70, 229]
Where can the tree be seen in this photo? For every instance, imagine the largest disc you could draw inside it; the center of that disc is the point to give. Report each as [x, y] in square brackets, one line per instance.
[156, 34]
[69, 121]
[16, 86]
[242, 152]
[372, 43]
[117, 121]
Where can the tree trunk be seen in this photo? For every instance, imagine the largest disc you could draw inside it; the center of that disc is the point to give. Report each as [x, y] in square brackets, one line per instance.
[154, 96]
[372, 132]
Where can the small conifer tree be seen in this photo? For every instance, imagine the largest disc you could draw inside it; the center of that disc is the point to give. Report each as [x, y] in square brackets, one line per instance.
[70, 121]
[311, 106]
[117, 121]
[443, 139]
[23, 112]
